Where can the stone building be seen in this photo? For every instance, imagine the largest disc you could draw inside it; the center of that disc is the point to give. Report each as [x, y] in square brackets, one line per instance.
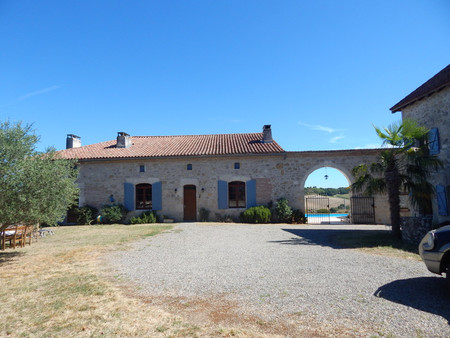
[224, 174]
[429, 105]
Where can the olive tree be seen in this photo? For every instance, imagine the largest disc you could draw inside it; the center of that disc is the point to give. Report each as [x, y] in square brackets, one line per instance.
[35, 187]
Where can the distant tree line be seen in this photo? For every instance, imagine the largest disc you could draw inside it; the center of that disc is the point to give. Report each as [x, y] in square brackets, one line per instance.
[326, 191]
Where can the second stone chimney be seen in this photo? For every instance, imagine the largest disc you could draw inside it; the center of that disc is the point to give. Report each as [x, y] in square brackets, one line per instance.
[123, 140]
[73, 141]
[267, 134]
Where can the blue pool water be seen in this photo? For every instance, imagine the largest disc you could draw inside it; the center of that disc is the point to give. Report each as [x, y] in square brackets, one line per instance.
[326, 215]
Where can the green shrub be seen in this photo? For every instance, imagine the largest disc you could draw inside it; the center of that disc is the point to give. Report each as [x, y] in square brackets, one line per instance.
[283, 211]
[323, 211]
[86, 214]
[145, 218]
[298, 217]
[204, 215]
[113, 213]
[260, 214]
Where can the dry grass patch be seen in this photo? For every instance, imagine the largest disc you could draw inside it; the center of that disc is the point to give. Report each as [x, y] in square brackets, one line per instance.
[57, 287]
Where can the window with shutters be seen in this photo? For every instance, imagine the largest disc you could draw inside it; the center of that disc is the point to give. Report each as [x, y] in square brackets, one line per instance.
[143, 196]
[236, 194]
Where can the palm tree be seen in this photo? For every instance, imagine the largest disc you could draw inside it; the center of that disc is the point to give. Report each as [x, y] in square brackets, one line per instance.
[405, 164]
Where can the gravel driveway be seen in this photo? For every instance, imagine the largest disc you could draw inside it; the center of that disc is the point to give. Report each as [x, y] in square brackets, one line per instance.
[286, 272]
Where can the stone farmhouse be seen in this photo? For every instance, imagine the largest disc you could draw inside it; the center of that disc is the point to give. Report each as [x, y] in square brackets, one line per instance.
[179, 175]
[225, 174]
[429, 104]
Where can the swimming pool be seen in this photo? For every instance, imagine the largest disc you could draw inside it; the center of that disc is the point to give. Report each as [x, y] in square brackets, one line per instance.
[326, 215]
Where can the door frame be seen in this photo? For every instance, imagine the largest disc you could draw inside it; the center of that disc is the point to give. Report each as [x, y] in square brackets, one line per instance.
[190, 208]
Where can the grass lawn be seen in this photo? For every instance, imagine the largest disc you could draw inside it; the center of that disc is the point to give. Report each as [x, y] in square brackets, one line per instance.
[377, 242]
[58, 286]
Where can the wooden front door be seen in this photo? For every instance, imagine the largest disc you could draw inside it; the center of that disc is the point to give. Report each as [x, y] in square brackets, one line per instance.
[190, 203]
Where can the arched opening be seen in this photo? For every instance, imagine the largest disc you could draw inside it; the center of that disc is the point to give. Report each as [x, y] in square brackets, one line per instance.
[327, 196]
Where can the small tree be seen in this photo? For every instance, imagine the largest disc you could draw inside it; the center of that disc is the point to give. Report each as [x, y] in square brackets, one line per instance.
[406, 164]
[283, 211]
[36, 187]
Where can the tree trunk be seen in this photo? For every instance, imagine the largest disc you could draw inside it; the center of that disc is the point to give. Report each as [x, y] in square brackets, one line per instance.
[393, 190]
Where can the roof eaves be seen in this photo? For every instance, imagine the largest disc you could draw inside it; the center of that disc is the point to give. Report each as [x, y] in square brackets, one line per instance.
[95, 159]
[433, 85]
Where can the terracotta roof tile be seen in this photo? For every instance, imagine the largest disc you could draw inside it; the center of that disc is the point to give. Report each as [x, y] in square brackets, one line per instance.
[436, 83]
[172, 146]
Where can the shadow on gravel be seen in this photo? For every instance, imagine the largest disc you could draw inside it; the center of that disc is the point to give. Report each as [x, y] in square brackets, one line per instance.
[331, 238]
[311, 237]
[345, 239]
[429, 294]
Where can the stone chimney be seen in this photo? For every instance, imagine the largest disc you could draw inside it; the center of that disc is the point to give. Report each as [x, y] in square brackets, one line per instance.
[267, 134]
[123, 140]
[73, 141]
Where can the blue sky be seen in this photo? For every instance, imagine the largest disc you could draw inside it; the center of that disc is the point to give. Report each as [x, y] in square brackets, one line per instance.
[320, 72]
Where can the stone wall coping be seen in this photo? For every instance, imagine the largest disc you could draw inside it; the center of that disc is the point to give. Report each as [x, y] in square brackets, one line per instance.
[353, 152]
[307, 153]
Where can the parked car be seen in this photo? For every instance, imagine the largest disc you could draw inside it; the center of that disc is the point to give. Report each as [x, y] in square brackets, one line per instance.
[435, 251]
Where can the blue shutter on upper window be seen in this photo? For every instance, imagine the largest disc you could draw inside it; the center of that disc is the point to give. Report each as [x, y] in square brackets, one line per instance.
[128, 196]
[251, 193]
[157, 196]
[433, 140]
[441, 200]
[222, 195]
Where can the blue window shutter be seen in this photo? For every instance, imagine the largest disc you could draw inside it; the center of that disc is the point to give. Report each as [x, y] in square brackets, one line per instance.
[251, 193]
[222, 195]
[433, 139]
[157, 196]
[441, 200]
[128, 197]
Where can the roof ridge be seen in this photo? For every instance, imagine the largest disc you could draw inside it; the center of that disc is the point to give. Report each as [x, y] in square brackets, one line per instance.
[229, 134]
[177, 145]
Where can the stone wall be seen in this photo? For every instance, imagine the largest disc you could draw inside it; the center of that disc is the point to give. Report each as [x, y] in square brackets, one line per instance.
[276, 176]
[415, 228]
[433, 112]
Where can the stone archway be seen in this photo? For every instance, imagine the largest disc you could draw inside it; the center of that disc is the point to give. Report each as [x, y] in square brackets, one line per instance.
[321, 207]
[327, 164]
[295, 168]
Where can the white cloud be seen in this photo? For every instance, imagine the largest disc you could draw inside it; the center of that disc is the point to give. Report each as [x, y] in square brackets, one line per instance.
[318, 127]
[337, 138]
[31, 94]
[37, 92]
